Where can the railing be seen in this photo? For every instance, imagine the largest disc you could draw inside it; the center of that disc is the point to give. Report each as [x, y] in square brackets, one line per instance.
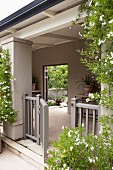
[87, 114]
[35, 125]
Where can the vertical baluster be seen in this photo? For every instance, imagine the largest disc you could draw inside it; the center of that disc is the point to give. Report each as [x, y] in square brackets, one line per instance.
[74, 113]
[34, 117]
[28, 116]
[35, 113]
[87, 121]
[38, 118]
[31, 111]
[80, 116]
[45, 130]
[99, 113]
[94, 121]
[24, 115]
[41, 123]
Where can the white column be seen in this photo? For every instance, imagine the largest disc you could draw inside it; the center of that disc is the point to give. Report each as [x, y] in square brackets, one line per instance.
[21, 58]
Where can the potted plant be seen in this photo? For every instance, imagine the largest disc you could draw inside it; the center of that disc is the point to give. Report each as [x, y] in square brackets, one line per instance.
[34, 83]
[87, 82]
[59, 99]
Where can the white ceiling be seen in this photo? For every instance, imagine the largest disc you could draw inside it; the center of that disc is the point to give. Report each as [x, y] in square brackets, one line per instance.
[57, 37]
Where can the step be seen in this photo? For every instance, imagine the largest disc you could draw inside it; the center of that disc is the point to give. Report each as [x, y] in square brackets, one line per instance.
[26, 154]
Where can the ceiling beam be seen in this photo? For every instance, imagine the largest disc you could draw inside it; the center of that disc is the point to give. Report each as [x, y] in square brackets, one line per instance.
[59, 36]
[43, 44]
[49, 13]
[11, 30]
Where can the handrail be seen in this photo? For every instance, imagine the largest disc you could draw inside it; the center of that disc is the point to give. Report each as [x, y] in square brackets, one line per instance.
[30, 98]
[87, 106]
[42, 102]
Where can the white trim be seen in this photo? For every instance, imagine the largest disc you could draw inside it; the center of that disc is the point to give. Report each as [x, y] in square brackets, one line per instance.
[49, 13]
[59, 21]
[48, 25]
[23, 13]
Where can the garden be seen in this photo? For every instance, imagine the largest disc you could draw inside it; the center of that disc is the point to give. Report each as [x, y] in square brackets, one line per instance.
[57, 84]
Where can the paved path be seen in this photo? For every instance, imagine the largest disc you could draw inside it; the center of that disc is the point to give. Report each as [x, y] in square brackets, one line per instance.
[58, 117]
[10, 161]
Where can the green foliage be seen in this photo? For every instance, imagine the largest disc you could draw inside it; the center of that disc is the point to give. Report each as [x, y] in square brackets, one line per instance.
[51, 103]
[98, 36]
[61, 97]
[75, 151]
[34, 79]
[7, 113]
[87, 80]
[58, 76]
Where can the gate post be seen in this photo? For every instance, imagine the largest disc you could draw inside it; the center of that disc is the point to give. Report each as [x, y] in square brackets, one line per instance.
[74, 116]
[45, 130]
[24, 115]
[38, 117]
[99, 114]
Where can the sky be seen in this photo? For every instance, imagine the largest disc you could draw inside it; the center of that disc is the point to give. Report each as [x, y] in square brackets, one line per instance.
[8, 7]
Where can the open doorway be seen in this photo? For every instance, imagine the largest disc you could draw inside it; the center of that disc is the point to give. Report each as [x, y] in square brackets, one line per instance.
[56, 85]
[56, 94]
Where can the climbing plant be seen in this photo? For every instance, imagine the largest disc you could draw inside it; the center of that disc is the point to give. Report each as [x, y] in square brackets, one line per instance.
[7, 113]
[92, 152]
[98, 51]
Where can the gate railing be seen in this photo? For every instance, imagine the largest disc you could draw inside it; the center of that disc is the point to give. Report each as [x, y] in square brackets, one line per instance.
[35, 125]
[87, 113]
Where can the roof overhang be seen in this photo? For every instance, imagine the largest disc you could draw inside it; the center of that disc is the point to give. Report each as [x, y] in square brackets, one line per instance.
[51, 26]
[26, 12]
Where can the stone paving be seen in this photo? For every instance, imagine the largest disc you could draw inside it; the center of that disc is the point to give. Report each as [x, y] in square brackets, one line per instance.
[58, 117]
[10, 161]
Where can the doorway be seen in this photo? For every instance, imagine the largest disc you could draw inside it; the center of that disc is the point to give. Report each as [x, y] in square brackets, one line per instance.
[55, 86]
[56, 94]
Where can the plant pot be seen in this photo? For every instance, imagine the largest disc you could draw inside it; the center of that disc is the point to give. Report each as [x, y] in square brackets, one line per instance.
[58, 101]
[33, 86]
[88, 89]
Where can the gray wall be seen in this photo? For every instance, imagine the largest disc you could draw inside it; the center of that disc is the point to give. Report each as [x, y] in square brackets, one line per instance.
[61, 54]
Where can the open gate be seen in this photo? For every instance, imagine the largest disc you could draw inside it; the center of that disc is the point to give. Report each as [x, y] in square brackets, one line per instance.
[35, 125]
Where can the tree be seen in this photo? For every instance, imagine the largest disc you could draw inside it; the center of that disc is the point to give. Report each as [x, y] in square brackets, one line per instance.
[58, 76]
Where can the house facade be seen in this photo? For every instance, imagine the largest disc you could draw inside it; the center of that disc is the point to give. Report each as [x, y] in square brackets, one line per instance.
[38, 35]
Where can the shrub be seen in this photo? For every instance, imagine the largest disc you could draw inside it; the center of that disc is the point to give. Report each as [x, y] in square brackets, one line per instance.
[51, 103]
[74, 151]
